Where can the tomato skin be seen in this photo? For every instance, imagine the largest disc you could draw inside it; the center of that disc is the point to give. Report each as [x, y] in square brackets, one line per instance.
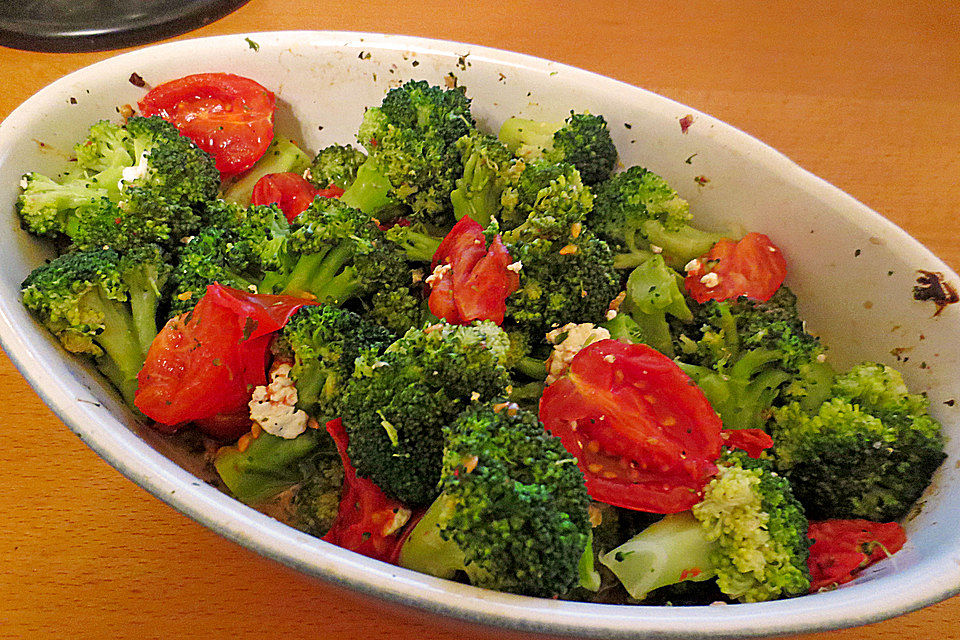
[364, 512]
[205, 363]
[228, 116]
[753, 441]
[753, 267]
[289, 191]
[474, 282]
[643, 434]
[843, 548]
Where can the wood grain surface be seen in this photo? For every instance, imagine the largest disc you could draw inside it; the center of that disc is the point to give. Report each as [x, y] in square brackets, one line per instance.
[864, 94]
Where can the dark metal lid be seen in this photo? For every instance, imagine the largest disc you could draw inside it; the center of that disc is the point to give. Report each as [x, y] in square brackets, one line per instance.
[95, 25]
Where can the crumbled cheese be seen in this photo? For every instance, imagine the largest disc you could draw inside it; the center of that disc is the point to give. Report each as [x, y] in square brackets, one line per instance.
[656, 249]
[307, 174]
[274, 407]
[474, 396]
[434, 278]
[137, 171]
[24, 182]
[693, 265]
[710, 280]
[822, 357]
[611, 314]
[400, 518]
[515, 266]
[610, 358]
[576, 337]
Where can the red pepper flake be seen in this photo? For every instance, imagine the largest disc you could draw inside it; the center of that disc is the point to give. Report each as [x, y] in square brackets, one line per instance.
[701, 180]
[685, 122]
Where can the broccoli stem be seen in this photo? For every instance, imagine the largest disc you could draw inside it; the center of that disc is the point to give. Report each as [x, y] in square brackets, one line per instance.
[267, 466]
[370, 191]
[531, 367]
[476, 194]
[517, 132]
[426, 551]
[124, 354]
[669, 551]
[324, 276]
[144, 296]
[681, 245]
[419, 247]
[589, 576]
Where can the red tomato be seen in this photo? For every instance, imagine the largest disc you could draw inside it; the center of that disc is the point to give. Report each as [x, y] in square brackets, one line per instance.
[291, 192]
[473, 282]
[753, 441]
[367, 517]
[753, 267]
[228, 116]
[843, 548]
[643, 433]
[205, 363]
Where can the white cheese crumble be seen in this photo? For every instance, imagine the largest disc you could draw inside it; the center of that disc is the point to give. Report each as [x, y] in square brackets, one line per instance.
[515, 266]
[274, 407]
[693, 265]
[434, 278]
[710, 280]
[576, 337]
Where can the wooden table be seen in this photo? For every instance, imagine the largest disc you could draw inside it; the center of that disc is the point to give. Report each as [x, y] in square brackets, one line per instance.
[866, 96]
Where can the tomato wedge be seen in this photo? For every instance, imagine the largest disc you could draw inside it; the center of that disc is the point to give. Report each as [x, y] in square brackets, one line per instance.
[643, 433]
[228, 116]
[843, 548]
[368, 521]
[205, 363]
[291, 192]
[753, 441]
[473, 280]
[753, 267]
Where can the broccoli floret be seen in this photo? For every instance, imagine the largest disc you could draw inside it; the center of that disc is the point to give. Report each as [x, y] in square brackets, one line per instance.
[748, 356]
[267, 465]
[397, 403]
[561, 282]
[488, 168]
[325, 341]
[583, 140]
[548, 201]
[316, 501]
[653, 292]
[868, 451]
[749, 532]
[512, 513]
[336, 166]
[335, 253]
[416, 241]
[103, 304]
[411, 141]
[282, 156]
[236, 250]
[139, 184]
[636, 210]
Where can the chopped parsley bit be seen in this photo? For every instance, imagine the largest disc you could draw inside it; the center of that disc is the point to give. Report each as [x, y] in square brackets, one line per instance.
[857, 253]
[253, 45]
[690, 159]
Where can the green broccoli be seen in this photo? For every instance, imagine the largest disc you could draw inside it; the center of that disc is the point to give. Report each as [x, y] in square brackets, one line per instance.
[324, 341]
[748, 356]
[512, 512]
[548, 201]
[749, 532]
[316, 501]
[413, 157]
[417, 242]
[488, 168]
[653, 291]
[282, 156]
[264, 466]
[335, 253]
[139, 184]
[396, 404]
[636, 210]
[236, 250]
[868, 451]
[583, 140]
[560, 282]
[103, 304]
[335, 166]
